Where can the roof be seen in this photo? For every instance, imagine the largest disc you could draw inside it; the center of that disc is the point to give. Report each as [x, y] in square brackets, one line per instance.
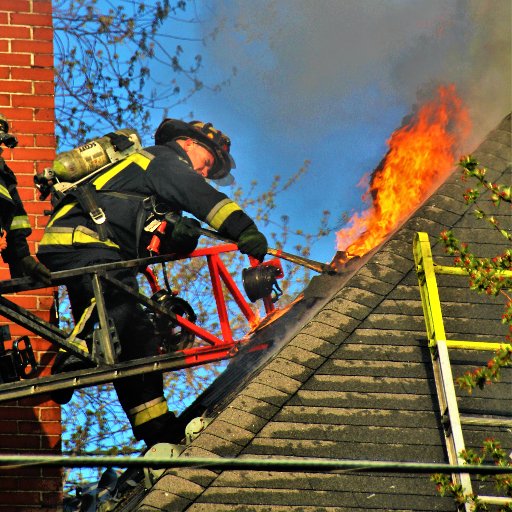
[349, 377]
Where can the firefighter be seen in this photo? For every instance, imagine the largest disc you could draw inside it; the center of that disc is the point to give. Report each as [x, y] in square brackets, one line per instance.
[15, 228]
[172, 172]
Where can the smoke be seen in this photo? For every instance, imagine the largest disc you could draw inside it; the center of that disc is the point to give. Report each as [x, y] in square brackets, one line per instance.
[318, 64]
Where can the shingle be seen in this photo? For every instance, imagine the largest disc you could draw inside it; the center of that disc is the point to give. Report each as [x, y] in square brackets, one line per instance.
[439, 215]
[201, 477]
[419, 223]
[243, 419]
[375, 384]
[448, 204]
[294, 370]
[165, 501]
[348, 308]
[278, 381]
[313, 344]
[369, 336]
[217, 444]
[493, 148]
[184, 487]
[266, 393]
[387, 352]
[254, 406]
[416, 435]
[402, 306]
[361, 399]
[318, 499]
[325, 332]
[356, 296]
[399, 452]
[497, 162]
[381, 272]
[359, 368]
[368, 283]
[301, 356]
[395, 322]
[340, 321]
[233, 433]
[353, 416]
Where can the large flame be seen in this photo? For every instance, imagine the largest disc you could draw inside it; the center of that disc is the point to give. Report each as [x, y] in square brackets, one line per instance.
[421, 154]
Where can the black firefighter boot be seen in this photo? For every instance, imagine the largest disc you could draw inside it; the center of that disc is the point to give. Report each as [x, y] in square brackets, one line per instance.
[164, 429]
[66, 362]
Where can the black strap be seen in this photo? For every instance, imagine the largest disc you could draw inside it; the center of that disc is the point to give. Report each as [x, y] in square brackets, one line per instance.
[86, 195]
[121, 142]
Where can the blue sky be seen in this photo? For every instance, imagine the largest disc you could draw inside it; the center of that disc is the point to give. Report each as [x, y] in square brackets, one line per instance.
[328, 81]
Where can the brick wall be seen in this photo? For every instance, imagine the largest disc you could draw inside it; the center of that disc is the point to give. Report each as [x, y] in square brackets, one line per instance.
[29, 426]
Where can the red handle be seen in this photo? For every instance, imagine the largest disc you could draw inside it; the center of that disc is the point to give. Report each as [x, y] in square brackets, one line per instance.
[154, 244]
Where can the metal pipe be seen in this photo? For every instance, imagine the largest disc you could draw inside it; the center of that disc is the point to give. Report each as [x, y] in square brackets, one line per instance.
[322, 268]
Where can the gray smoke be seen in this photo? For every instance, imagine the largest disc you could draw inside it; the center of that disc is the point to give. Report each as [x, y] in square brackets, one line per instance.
[325, 62]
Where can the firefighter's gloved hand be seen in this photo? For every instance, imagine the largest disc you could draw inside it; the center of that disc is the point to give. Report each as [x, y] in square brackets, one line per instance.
[31, 267]
[253, 242]
[184, 236]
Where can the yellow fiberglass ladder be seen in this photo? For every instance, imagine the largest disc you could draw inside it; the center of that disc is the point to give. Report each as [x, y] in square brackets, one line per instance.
[426, 270]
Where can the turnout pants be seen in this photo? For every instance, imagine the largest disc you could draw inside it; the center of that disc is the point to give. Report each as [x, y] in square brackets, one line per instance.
[141, 396]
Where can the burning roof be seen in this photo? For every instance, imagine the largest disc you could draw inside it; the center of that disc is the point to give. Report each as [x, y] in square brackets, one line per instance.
[422, 153]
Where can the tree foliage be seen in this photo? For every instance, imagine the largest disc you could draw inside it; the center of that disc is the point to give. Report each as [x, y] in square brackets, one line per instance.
[115, 66]
[491, 276]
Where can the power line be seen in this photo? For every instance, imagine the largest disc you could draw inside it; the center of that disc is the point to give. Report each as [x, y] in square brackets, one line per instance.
[284, 465]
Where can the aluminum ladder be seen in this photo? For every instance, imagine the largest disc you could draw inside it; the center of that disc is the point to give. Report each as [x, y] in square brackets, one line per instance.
[426, 271]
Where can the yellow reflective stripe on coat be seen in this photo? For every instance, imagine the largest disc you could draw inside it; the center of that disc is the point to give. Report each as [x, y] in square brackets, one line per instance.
[20, 222]
[220, 212]
[148, 411]
[142, 159]
[63, 211]
[4, 192]
[70, 236]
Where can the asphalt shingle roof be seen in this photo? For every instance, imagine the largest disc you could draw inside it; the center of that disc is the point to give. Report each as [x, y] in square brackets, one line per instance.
[350, 377]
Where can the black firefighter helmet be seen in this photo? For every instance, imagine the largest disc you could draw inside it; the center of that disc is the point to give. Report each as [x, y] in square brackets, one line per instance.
[205, 133]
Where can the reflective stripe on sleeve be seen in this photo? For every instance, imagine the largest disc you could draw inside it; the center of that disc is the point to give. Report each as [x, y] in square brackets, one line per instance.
[20, 222]
[4, 192]
[147, 411]
[220, 212]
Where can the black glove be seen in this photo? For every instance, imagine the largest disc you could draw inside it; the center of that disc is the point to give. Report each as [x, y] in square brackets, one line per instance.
[253, 243]
[31, 267]
[184, 237]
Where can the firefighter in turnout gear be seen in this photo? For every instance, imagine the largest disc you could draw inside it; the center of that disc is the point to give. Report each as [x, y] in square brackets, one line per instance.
[172, 172]
[14, 224]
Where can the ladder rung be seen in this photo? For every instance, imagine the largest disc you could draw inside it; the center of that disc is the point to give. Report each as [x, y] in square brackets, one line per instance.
[489, 422]
[494, 500]
[490, 346]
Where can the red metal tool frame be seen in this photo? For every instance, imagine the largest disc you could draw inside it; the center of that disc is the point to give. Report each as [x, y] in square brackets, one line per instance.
[219, 276]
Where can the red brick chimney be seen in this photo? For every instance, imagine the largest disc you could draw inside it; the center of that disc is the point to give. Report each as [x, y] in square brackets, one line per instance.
[29, 426]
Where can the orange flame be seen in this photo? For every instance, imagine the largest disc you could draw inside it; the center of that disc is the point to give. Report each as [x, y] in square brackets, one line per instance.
[421, 155]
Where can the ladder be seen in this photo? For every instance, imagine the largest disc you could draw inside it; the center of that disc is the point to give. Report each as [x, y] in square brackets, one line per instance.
[426, 271]
[18, 367]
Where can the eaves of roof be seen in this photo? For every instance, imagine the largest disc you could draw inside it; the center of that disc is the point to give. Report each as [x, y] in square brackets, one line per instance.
[349, 377]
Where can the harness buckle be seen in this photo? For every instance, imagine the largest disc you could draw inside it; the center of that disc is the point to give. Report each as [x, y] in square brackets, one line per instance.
[98, 216]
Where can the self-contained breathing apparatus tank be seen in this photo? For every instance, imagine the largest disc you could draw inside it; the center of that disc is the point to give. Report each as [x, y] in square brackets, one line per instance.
[79, 163]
